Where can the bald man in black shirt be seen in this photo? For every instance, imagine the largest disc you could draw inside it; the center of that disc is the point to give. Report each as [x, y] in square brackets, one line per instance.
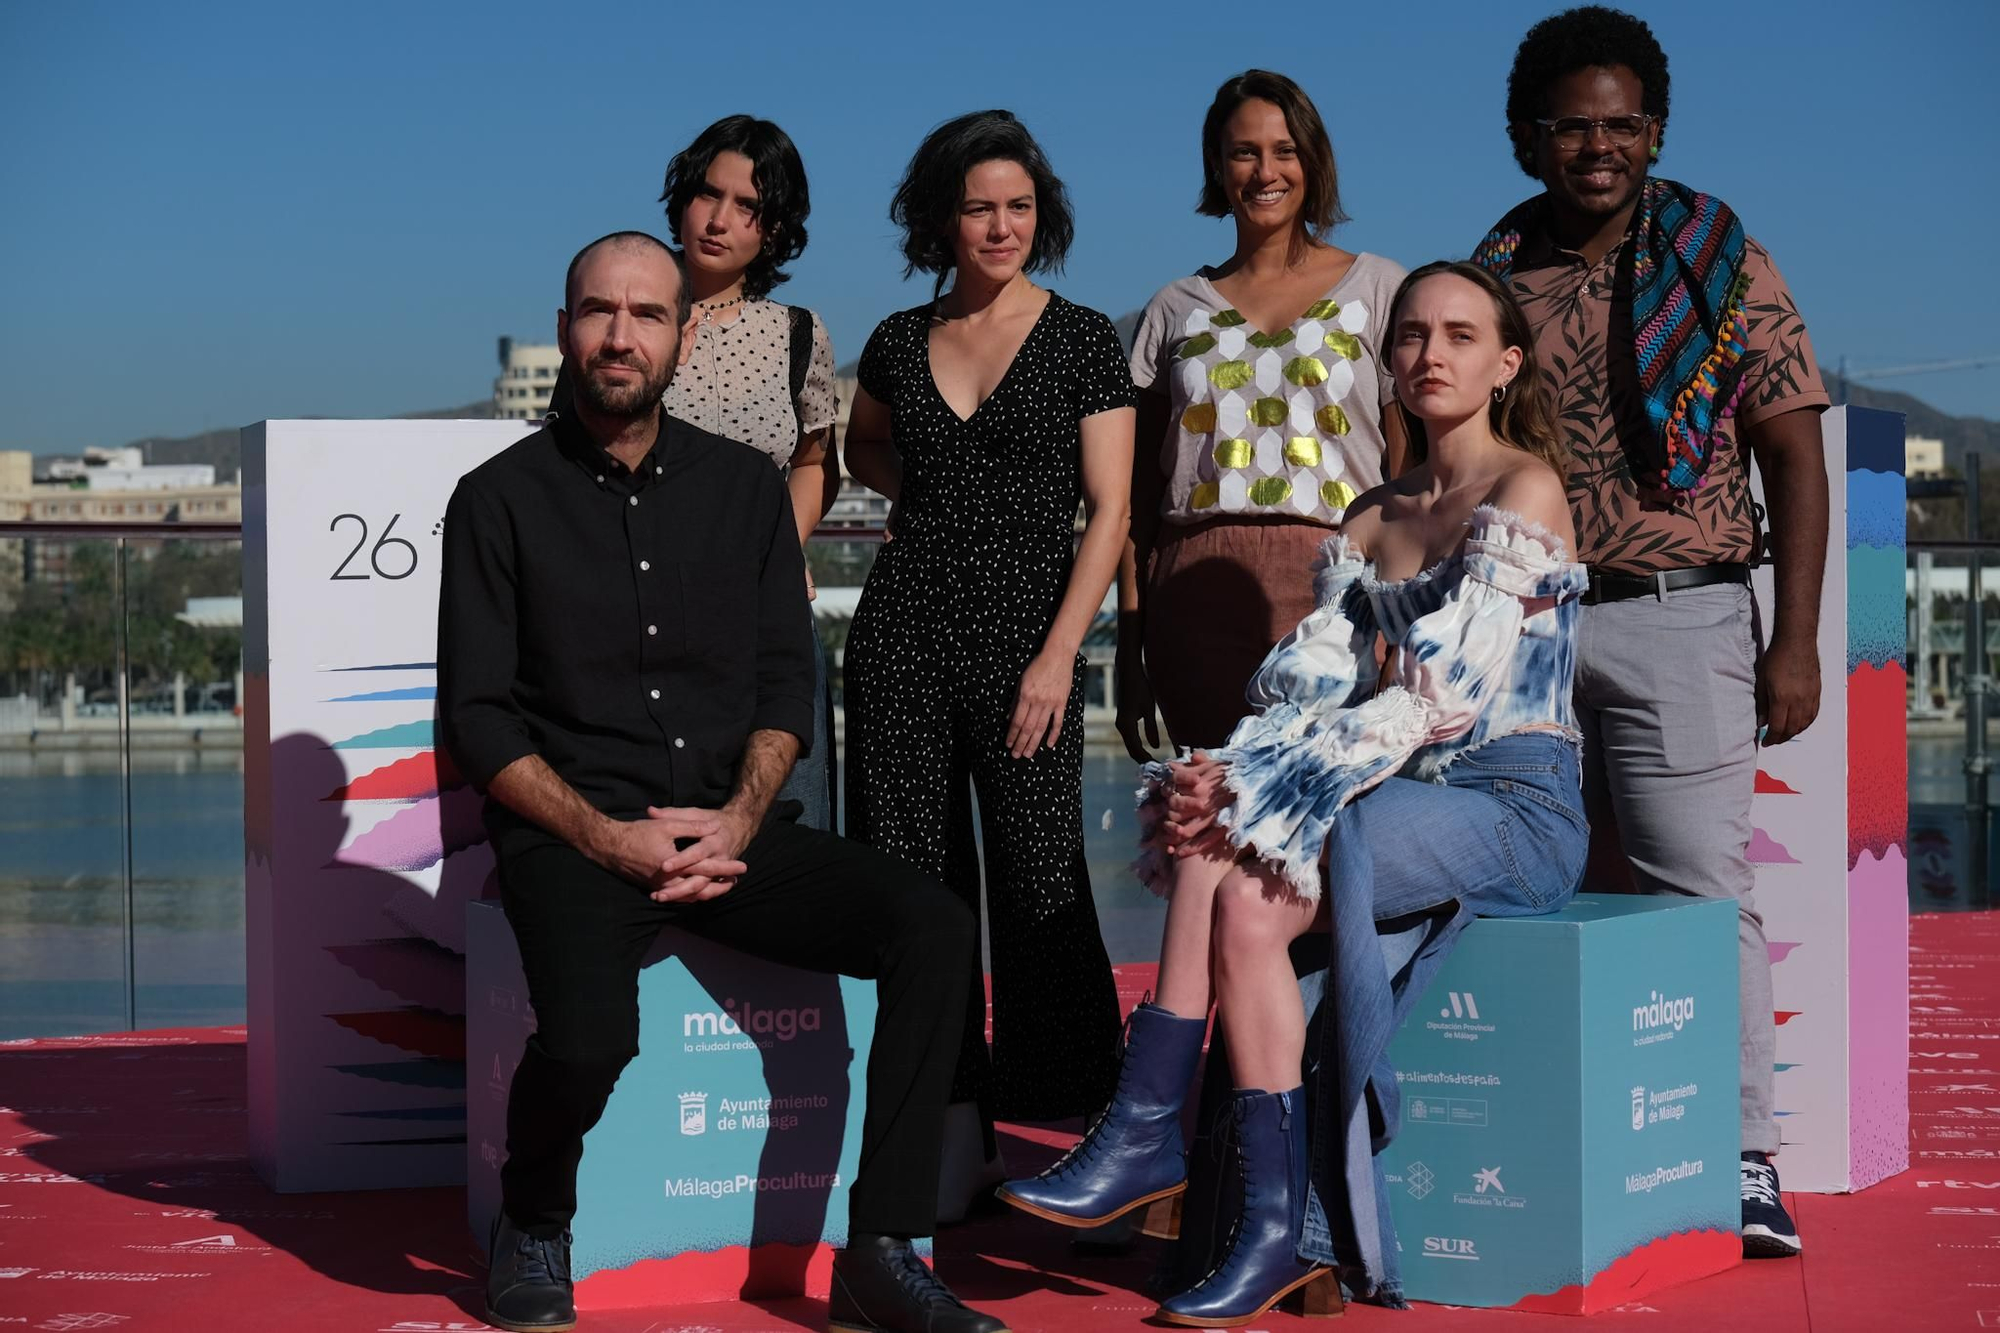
[624, 666]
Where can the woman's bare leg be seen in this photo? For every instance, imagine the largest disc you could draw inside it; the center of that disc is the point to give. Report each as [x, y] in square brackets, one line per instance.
[1257, 916]
[1184, 988]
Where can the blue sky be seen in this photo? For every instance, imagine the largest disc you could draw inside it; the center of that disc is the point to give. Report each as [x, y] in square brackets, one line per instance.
[213, 213]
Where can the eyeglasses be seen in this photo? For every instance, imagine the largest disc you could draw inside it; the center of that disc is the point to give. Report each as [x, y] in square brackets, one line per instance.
[1572, 132]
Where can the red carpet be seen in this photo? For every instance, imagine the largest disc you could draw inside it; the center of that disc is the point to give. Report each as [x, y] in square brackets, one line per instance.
[126, 1203]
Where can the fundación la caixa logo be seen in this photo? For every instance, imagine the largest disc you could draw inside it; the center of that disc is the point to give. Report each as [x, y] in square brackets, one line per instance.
[1488, 1192]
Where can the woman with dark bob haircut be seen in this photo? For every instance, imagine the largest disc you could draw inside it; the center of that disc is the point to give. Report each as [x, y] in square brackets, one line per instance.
[985, 414]
[758, 372]
[928, 200]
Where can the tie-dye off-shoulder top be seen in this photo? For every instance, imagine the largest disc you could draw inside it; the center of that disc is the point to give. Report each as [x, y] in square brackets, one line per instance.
[1486, 646]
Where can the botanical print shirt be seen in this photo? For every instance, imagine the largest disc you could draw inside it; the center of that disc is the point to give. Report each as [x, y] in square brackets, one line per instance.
[1582, 317]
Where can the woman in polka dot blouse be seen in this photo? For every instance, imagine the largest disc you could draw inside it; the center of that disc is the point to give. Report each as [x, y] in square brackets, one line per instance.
[737, 203]
[986, 414]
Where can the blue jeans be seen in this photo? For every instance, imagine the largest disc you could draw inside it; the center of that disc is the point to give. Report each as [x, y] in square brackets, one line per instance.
[811, 781]
[1409, 864]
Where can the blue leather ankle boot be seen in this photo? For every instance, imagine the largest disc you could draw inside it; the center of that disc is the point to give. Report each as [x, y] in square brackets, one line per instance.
[1133, 1156]
[1261, 1266]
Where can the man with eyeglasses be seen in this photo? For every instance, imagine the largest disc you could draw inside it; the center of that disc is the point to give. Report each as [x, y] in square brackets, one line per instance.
[1657, 321]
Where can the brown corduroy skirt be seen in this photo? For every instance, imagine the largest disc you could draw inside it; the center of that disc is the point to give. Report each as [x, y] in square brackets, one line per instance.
[1218, 596]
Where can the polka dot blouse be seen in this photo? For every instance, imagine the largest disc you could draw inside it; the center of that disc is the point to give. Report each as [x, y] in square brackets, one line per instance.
[738, 381]
[1016, 461]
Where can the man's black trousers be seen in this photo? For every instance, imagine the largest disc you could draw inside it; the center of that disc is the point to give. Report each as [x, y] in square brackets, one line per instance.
[809, 900]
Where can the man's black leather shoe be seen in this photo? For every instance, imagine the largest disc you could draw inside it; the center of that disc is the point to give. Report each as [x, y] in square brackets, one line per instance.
[881, 1286]
[528, 1288]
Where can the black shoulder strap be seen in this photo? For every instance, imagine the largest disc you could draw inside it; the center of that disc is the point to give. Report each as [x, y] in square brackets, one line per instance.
[802, 351]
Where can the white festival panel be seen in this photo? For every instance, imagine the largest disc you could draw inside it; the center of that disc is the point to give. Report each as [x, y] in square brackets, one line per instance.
[363, 845]
[1830, 834]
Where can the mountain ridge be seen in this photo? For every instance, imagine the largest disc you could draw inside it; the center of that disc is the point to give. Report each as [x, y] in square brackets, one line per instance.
[223, 449]
[1960, 434]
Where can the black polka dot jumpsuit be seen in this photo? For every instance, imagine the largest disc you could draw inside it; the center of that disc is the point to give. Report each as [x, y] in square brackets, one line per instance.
[954, 610]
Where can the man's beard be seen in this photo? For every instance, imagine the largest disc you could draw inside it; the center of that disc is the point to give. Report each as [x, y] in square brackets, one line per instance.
[623, 398]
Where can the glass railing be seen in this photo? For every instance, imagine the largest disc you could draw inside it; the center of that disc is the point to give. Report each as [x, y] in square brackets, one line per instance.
[121, 771]
[121, 764]
[840, 559]
[1953, 606]
[121, 777]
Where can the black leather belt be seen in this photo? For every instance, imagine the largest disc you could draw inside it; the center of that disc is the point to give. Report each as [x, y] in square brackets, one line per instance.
[1624, 587]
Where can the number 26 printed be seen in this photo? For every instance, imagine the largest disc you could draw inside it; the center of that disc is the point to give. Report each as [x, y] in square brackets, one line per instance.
[398, 566]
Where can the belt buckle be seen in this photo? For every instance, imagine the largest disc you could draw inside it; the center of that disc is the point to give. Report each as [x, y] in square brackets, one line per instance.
[1660, 584]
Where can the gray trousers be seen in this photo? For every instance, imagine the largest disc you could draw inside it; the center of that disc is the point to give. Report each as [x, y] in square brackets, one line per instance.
[1666, 698]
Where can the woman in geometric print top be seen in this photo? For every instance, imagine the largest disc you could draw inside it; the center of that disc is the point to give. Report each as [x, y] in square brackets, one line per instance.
[1391, 804]
[1261, 418]
[1262, 381]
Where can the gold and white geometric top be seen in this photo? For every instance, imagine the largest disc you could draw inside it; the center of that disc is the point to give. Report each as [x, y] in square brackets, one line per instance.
[1285, 423]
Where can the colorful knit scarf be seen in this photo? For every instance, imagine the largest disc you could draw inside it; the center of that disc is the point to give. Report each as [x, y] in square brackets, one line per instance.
[1688, 324]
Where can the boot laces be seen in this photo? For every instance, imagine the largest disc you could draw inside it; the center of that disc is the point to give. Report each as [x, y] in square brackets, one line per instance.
[1232, 1141]
[1230, 1132]
[543, 1260]
[920, 1281]
[1087, 1148]
[1082, 1155]
[1760, 1183]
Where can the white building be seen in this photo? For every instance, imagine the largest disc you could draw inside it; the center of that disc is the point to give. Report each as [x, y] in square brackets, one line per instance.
[151, 477]
[77, 469]
[1923, 456]
[104, 491]
[123, 469]
[527, 376]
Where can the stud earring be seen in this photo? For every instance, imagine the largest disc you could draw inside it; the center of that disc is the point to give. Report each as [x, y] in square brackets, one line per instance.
[1653, 153]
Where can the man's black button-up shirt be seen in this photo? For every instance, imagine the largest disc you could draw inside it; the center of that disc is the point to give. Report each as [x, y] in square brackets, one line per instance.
[631, 627]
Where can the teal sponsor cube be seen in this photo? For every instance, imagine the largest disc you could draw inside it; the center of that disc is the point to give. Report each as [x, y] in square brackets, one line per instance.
[721, 1167]
[1569, 1128]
